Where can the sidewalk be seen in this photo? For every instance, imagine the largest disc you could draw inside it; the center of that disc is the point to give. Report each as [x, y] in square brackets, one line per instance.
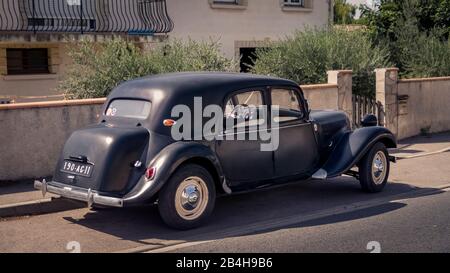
[21, 199]
[423, 146]
[19, 192]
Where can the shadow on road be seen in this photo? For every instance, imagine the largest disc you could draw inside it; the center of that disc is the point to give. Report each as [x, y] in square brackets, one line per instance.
[393, 205]
[433, 138]
[144, 226]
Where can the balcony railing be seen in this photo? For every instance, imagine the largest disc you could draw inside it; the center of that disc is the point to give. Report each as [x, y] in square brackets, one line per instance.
[140, 17]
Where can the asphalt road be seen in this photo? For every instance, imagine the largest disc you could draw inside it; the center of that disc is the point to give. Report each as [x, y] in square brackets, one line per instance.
[319, 216]
[418, 224]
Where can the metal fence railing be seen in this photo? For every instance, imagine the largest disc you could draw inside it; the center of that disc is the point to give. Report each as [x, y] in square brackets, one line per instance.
[363, 106]
[85, 16]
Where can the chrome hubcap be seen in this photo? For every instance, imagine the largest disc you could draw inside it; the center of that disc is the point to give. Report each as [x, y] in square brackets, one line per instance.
[379, 166]
[191, 198]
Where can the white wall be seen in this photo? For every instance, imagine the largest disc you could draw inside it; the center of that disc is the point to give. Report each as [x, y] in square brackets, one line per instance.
[258, 21]
[427, 107]
[261, 19]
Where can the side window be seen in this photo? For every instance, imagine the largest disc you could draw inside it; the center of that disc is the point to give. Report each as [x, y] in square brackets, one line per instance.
[290, 107]
[243, 109]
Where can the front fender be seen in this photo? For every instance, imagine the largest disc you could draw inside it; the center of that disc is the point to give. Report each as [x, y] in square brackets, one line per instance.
[351, 149]
[166, 162]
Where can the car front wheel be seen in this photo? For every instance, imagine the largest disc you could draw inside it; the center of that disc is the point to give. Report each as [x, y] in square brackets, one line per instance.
[374, 169]
[188, 198]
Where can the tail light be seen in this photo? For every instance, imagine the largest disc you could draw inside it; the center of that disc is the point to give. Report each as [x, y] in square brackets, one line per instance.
[169, 122]
[150, 173]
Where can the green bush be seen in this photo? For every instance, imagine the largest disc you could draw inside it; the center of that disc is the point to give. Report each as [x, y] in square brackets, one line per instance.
[98, 68]
[421, 53]
[429, 58]
[416, 33]
[306, 57]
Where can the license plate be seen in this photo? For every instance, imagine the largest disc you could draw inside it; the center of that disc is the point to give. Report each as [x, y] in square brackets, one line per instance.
[77, 168]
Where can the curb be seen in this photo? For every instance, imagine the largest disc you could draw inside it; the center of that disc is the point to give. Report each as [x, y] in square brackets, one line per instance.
[38, 207]
[423, 154]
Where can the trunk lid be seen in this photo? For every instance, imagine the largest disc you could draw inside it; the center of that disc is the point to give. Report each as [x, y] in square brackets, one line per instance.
[103, 158]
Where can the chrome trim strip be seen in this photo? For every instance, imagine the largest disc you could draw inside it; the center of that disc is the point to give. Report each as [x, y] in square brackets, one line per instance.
[320, 174]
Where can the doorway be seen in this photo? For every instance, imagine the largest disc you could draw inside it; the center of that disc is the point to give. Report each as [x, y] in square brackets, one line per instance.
[248, 57]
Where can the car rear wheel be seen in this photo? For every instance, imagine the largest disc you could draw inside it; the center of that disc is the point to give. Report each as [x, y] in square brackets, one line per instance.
[188, 198]
[374, 169]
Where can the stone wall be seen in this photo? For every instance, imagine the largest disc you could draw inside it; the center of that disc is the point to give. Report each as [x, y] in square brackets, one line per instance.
[413, 106]
[32, 135]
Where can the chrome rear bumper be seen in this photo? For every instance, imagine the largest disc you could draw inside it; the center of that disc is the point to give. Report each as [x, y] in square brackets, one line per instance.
[88, 196]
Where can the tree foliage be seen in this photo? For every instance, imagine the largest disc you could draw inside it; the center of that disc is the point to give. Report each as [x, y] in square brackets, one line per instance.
[98, 68]
[306, 57]
[416, 33]
[391, 14]
[344, 13]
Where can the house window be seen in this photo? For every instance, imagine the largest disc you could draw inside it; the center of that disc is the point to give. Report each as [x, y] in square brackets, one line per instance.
[27, 61]
[228, 4]
[295, 3]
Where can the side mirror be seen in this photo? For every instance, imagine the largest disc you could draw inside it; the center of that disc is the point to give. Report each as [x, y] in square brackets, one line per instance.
[369, 121]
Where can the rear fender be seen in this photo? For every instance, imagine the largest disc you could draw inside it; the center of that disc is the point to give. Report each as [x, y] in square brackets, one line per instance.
[166, 162]
[351, 149]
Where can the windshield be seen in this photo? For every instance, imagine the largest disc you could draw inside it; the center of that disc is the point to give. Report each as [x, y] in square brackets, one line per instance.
[138, 109]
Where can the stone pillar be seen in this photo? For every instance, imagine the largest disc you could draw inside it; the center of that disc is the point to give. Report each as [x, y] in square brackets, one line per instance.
[343, 79]
[387, 96]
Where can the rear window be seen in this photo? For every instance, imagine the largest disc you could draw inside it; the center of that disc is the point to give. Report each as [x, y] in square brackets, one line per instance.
[139, 109]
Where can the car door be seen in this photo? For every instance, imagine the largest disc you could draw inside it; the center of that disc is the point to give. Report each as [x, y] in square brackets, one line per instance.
[297, 153]
[240, 154]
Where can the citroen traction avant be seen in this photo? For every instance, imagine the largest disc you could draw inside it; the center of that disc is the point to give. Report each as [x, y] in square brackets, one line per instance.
[131, 157]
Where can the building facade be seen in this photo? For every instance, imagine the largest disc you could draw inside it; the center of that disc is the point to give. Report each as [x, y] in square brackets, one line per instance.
[35, 34]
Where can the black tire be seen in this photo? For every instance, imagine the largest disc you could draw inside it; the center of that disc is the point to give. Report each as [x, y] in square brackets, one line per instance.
[367, 174]
[167, 203]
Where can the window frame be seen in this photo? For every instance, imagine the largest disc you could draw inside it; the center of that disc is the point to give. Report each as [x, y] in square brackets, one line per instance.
[300, 98]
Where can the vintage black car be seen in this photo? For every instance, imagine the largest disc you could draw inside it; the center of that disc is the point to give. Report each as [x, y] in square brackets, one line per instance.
[131, 157]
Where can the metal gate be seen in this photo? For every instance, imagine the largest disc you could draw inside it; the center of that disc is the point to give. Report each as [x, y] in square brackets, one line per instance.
[362, 106]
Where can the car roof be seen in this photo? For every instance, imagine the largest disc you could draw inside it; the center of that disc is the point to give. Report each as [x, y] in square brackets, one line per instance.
[195, 84]
[165, 91]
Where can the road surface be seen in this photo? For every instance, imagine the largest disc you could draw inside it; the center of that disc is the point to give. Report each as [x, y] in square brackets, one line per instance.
[310, 216]
[418, 224]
